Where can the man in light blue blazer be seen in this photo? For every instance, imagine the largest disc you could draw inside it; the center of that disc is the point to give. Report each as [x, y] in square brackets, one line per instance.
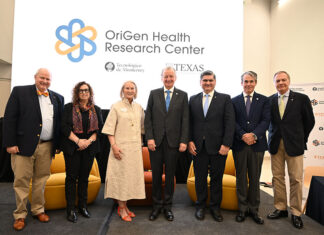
[252, 115]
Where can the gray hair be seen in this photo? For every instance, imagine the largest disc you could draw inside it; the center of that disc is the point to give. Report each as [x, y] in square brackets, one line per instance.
[250, 73]
[169, 68]
[279, 72]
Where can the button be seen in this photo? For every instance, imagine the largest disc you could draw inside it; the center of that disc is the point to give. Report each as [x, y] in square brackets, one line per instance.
[40, 124]
[248, 122]
[37, 135]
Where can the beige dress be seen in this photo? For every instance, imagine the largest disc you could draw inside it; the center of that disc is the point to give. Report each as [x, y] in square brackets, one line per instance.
[125, 177]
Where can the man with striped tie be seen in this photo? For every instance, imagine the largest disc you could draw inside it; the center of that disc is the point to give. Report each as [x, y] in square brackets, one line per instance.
[252, 117]
[292, 120]
[166, 131]
[212, 126]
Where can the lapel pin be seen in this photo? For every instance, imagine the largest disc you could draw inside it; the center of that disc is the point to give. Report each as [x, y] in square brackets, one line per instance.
[257, 98]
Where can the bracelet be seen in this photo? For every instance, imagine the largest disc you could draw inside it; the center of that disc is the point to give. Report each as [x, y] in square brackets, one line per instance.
[78, 141]
[113, 144]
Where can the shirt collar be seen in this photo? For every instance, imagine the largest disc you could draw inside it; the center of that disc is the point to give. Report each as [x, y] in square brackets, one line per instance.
[245, 95]
[211, 94]
[285, 95]
[172, 89]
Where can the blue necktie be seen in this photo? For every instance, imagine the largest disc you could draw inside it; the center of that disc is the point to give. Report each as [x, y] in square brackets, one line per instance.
[248, 104]
[167, 99]
[206, 104]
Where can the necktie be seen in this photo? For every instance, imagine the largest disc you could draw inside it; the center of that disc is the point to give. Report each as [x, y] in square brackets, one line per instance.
[248, 104]
[45, 93]
[167, 99]
[206, 104]
[281, 106]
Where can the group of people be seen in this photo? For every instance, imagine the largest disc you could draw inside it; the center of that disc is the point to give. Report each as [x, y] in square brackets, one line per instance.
[37, 125]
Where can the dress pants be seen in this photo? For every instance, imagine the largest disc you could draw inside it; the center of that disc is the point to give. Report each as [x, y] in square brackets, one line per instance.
[163, 154]
[216, 165]
[295, 171]
[78, 167]
[37, 167]
[248, 164]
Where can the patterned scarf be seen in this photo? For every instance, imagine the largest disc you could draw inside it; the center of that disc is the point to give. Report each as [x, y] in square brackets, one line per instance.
[77, 119]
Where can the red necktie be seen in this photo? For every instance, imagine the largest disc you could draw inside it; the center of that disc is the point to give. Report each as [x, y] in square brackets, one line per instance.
[42, 93]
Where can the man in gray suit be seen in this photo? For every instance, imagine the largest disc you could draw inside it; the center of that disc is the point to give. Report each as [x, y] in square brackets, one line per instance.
[166, 131]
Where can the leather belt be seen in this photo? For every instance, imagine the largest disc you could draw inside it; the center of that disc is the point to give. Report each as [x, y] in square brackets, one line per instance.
[44, 141]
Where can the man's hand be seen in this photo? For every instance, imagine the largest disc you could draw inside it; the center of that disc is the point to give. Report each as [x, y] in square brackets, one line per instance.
[223, 150]
[192, 148]
[248, 138]
[151, 144]
[182, 147]
[13, 149]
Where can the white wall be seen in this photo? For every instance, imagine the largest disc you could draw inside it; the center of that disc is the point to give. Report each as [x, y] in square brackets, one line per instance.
[256, 41]
[297, 39]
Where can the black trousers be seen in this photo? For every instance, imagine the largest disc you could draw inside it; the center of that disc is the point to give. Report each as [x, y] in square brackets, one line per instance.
[163, 154]
[78, 167]
[248, 164]
[216, 164]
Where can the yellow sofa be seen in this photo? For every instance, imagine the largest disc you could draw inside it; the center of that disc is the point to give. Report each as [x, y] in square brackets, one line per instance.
[229, 200]
[55, 185]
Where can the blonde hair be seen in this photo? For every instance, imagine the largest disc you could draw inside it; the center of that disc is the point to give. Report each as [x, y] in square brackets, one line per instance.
[122, 89]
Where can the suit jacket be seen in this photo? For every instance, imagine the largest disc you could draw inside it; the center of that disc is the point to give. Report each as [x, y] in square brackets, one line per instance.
[257, 121]
[174, 124]
[23, 119]
[295, 126]
[67, 145]
[217, 128]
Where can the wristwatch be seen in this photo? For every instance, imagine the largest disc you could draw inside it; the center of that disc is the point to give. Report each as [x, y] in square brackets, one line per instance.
[91, 140]
[255, 137]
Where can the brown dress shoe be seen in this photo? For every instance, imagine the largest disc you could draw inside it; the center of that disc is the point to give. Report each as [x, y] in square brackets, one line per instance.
[42, 217]
[19, 224]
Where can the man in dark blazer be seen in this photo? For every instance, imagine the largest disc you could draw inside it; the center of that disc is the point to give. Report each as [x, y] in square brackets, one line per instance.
[292, 120]
[166, 131]
[252, 117]
[31, 133]
[212, 126]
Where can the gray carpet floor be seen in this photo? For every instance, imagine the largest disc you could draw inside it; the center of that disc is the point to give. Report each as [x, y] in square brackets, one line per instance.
[105, 220]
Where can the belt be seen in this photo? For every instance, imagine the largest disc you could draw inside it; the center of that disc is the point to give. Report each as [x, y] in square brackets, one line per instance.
[44, 141]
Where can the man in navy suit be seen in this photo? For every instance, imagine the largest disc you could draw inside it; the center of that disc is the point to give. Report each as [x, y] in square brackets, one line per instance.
[252, 116]
[292, 120]
[212, 126]
[166, 130]
[31, 132]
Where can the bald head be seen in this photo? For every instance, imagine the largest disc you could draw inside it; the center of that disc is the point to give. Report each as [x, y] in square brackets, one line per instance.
[43, 79]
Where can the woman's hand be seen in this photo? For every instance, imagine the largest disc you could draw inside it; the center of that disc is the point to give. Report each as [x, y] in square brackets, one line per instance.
[83, 144]
[117, 151]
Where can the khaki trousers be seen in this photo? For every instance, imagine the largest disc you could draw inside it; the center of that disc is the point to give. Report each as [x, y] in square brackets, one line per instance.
[295, 171]
[37, 168]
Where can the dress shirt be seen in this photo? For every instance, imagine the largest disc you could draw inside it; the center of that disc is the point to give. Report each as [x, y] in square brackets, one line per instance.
[47, 112]
[285, 98]
[210, 96]
[245, 96]
[171, 92]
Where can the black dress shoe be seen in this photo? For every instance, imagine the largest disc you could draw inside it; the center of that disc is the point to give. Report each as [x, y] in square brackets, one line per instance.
[277, 214]
[84, 212]
[216, 215]
[257, 219]
[71, 216]
[154, 214]
[200, 214]
[297, 221]
[168, 214]
[240, 217]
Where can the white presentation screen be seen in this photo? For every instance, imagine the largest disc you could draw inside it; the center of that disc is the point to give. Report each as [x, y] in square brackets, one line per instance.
[107, 42]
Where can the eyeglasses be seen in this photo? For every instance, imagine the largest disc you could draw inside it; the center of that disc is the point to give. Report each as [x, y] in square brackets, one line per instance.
[83, 91]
